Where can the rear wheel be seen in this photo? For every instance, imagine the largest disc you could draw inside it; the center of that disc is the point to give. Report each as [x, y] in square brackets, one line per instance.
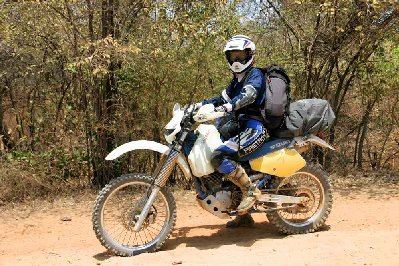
[311, 183]
[116, 212]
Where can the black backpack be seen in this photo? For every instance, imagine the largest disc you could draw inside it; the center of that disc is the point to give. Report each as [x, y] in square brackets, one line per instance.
[277, 96]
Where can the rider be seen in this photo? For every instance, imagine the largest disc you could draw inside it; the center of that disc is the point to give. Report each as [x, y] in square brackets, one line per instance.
[245, 96]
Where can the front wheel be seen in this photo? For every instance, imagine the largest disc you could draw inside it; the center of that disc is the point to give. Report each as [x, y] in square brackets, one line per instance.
[311, 183]
[117, 209]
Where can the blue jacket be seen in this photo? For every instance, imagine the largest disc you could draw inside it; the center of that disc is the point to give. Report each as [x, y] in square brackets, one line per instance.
[248, 98]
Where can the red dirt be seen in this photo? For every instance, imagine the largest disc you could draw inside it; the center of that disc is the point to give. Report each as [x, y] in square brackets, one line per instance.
[363, 229]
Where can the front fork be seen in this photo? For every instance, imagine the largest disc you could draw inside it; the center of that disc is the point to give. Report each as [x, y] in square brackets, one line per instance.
[161, 174]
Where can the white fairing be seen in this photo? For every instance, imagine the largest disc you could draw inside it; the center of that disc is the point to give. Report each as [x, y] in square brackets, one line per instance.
[312, 139]
[148, 145]
[320, 142]
[174, 123]
[200, 156]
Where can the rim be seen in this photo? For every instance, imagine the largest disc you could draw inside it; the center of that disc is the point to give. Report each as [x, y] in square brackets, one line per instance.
[302, 184]
[120, 212]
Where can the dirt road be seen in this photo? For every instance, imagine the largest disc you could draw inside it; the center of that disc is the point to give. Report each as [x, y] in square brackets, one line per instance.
[363, 229]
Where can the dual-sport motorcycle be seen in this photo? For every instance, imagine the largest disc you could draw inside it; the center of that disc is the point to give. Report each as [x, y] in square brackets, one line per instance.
[136, 213]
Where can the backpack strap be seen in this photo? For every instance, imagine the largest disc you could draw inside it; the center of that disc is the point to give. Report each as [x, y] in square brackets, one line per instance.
[248, 75]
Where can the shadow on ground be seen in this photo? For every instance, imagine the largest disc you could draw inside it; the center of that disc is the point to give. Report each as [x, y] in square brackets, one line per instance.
[220, 236]
[103, 256]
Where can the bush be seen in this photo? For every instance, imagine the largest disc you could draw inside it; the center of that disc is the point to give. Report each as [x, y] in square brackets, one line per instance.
[28, 175]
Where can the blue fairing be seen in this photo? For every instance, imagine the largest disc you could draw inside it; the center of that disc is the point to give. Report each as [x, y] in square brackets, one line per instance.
[271, 145]
[189, 143]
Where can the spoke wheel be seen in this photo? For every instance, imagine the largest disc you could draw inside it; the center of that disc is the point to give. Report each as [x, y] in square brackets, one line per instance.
[311, 184]
[117, 211]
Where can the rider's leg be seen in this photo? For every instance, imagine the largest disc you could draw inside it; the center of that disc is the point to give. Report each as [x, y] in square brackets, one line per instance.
[223, 159]
[249, 193]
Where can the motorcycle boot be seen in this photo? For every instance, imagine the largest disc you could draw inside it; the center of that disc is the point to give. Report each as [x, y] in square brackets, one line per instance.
[241, 220]
[241, 179]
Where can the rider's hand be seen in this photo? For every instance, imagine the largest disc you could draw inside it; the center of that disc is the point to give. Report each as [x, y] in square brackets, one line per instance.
[224, 108]
[221, 109]
[194, 107]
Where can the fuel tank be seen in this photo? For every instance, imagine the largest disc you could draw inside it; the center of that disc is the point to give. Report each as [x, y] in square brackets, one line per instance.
[282, 163]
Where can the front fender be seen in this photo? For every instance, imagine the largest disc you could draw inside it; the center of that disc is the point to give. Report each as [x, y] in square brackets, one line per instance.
[152, 146]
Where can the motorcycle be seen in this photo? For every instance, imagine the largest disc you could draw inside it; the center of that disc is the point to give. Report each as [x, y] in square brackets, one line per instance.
[136, 213]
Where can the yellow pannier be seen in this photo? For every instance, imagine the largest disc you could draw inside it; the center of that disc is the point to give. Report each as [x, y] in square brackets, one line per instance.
[281, 163]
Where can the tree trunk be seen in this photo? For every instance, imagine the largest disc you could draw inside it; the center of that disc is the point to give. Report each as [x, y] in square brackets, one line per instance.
[359, 130]
[5, 138]
[388, 132]
[365, 123]
[105, 101]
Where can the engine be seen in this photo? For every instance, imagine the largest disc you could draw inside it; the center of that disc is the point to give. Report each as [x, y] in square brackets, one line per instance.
[222, 196]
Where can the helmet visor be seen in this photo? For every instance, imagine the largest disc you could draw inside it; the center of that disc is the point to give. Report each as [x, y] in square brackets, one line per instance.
[236, 56]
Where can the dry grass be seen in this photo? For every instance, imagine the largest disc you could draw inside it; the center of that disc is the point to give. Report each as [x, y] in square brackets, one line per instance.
[376, 184]
[20, 182]
[357, 178]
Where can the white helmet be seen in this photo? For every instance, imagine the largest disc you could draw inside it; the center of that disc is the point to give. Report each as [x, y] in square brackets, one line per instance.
[240, 43]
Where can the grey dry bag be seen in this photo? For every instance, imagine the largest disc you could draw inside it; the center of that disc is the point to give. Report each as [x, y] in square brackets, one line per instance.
[309, 116]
